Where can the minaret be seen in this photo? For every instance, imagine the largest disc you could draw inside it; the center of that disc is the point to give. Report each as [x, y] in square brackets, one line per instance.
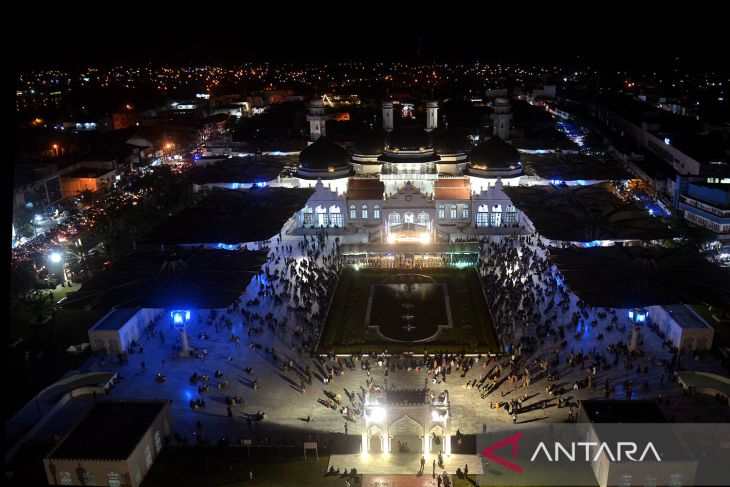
[432, 110]
[316, 119]
[388, 116]
[501, 117]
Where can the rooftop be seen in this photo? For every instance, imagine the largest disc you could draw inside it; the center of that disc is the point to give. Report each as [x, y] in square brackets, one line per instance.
[110, 431]
[115, 319]
[685, 317]
[573, 167]
[87, 172]
[452, 189]
[365, 189]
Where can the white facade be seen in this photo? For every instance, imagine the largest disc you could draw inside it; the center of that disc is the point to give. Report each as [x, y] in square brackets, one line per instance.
[326, 208]
[316, 118]
[388, 116]
[501, 117]
[683, 327]
[114, 332]
[432, 110]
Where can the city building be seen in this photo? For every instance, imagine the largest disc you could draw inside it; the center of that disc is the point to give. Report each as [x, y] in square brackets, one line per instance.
[405, 182]
[677, 466]
[683, 327]
[114, 444]
[115, 331]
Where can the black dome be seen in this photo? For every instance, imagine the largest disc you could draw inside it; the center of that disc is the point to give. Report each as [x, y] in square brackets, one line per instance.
[408, 138]
[323, 154]
[449, 141]
[495, 153]
[370, 143]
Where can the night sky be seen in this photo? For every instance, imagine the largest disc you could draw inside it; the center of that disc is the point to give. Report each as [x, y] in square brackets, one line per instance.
[619, 37]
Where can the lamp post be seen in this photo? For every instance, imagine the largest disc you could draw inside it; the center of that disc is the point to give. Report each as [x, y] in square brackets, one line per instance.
[56, 258]
[638, 318]
[180, 319]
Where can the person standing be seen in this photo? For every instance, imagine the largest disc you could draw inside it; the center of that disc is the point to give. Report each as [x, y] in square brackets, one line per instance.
[423, 464]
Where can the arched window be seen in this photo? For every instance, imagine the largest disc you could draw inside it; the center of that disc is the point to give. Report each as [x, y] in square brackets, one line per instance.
[483, 216]
[335, 216]
[308, 215]
[112, 479]
[353, 212]
[510, 215]
[364, 211]
[465, 212]
[322, 220]
[376, 212]
[423, 218]
[452, 212]
[148, 456]
[88, 478]
[442, 212]
[394, 218]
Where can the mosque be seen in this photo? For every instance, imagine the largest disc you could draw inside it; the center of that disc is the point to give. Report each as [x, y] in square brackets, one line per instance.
[407, 183]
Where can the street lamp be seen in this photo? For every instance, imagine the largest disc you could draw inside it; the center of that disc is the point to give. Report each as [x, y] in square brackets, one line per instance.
[56, 257]
[638, 318]
[180, 319]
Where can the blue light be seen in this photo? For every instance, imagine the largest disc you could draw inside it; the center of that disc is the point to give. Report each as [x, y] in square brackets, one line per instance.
[180, 317]
[556, 182]
[235, 185]
[581, 182]
[594, 243]
[262, 184]
[226, 246]
[631, 315]
[641, 317]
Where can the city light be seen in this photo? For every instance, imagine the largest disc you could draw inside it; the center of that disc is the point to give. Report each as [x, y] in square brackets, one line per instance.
[55, 257]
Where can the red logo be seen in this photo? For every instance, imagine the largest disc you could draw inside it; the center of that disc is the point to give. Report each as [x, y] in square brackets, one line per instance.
[512, 440]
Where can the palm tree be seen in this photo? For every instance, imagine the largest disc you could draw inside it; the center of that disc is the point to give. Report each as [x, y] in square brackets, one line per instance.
[77, 254]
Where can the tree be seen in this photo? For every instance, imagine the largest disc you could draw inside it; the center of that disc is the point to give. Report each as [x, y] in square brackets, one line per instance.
[23, 279]
[693, 236]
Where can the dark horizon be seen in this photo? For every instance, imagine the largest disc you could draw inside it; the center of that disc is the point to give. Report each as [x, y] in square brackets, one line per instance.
[622, 40]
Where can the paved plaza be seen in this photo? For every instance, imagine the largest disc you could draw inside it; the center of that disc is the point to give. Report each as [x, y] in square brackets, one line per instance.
[296, 415]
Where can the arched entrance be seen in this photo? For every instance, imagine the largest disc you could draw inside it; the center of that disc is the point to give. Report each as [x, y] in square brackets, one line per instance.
[406, 436]
[375, 439]
[438, 439]
[322, 220]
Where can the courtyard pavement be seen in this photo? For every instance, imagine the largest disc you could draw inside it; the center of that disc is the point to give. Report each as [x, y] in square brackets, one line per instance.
[287, 409]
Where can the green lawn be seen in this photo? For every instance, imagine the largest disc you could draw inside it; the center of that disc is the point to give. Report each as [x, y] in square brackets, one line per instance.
[62, 292]
[271, 467]
[345, 329]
